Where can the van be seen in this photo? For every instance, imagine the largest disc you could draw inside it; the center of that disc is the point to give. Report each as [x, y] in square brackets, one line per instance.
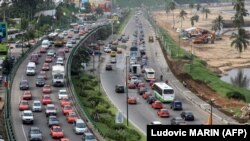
[31, 69]
[45, 44]
[79, 126]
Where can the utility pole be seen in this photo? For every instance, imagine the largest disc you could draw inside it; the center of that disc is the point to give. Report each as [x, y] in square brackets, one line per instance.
[127, 86]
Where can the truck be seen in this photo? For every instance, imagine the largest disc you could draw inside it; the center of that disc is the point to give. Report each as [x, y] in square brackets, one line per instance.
[135, 69]
[58, 74]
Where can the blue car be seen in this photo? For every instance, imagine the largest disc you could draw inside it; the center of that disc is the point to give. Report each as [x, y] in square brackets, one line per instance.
[176, 105]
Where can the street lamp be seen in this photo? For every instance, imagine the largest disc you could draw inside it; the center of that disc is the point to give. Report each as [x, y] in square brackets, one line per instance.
[127, 56]
[210, 119]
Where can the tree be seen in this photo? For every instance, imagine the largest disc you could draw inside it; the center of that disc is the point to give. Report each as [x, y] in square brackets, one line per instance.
[99, 11]
[205, 11]
[240, 80]
[182, 16]
[191, 6]
[218, 23]
[167, 10]
[240, 41]
[87, 7]
[7, 65]
[194, 18]
[172, 8]
[198, 6]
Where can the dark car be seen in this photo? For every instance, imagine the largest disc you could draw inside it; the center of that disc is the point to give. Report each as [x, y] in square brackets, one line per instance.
[119, 89]
[108, 67]
[40, 81]
[176, 105]
[113, 48]
[142, 90]
[35, 134]
[151, 99]
[52, 120]
[187, 115]
[177, 121]
[24, 85]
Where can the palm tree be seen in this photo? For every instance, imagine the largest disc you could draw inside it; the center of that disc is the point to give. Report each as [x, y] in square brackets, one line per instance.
[198, 6]
[218, 23]
[240, 41]
[194, 18]
[207, 11]
[182, 16]
[240, 80]
[167, 9]
[172, 8]
[191, 6]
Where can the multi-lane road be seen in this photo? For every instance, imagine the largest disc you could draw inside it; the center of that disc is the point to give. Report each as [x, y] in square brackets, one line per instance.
[142, 113]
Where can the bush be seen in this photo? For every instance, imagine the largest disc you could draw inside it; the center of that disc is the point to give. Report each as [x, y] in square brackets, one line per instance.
[88, 87]
[236, 95]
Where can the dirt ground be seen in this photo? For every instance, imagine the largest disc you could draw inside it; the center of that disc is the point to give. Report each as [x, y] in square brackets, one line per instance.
[220, 56]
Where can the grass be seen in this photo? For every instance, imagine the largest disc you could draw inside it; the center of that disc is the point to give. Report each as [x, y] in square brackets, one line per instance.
[137, 3]
[85, 84]
[124, 23]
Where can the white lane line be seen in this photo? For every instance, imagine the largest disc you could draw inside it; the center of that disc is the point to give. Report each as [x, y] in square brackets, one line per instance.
[23, 130]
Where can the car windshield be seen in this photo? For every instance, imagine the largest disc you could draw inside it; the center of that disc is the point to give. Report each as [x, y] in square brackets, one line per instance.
[50, 108]
[168, 91]
[80, 125]
[24, 103]
[67, 107]
[57, 130]
[53, 119]
[189, 113]
[27, 114]
[35, 131]
[58, 76]
[178, 119]
[90, 137]
[164, 110]
[37, 104]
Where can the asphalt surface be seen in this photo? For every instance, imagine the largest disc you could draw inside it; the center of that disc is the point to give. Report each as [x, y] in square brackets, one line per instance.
[142, 113]
[40, 119]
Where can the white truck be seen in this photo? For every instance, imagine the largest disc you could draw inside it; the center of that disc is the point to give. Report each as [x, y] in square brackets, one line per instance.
[58, 74]
[135, 69]
[31, 69]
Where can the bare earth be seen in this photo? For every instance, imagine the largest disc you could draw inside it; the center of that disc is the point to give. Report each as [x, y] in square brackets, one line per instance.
[220, 56]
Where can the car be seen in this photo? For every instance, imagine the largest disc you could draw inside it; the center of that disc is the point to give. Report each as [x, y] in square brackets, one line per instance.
[176, 105]
[27, 95]
[163, 113]
[132, 100]
[56, 132]
[66, 109]
[48, 59]
[88, 136]
[108, 67]
[36, 106]
[45, 67]
[24, 85]
[157, 105]
[64, 139]
[155, 123]
[107, 49]
[46, 99]
[142, 90]
[177, 121]
[65, 33]
[65, 101]
[71, 117]
[113, 54]
[146, 94]
[40, 81]
[47, 89]
[134, 79]
[50, 110]
[23, 105]
[77, 37]
[113, 48]
[66, 49]
[51, 52]
[151, 83]
[119, 88]
[79, 126]
[69, 45]
[52, 120]
[27, 117]
[131, 85]
[73, 41]
[187, 115]
[150, 39]
[35, 134]
[115, 42]
[140, 85]
[119, 51]
[113, 60]
[70, 36]
[44, 74]
[62, 94]
[60, 61]
[43, 50]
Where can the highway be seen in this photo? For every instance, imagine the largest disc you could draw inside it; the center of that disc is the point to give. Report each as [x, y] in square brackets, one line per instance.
[40, 119]
[142, 113]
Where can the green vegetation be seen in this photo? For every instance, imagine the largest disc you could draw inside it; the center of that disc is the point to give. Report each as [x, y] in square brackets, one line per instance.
[101, 113]
[3, 48]
[118, 27]
[137, 3]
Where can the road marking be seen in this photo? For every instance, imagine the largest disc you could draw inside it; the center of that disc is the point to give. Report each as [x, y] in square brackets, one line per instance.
[24, 133]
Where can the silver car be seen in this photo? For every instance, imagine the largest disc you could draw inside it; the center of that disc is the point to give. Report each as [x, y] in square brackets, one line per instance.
[52, 120]
[88, 137]
[35, 134]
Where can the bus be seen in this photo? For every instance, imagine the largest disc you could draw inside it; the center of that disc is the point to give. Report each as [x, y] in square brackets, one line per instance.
[163, 92]
[149, 74]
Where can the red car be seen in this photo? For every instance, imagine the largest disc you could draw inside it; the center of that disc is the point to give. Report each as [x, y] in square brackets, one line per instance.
[146, 95]
[45, 67]
[66, 49]
[64, 102]
[27, 95]
[66, 109]
[140, 85]
[163, 113]
[46, 99]
[43, 50]
[151, 83]
[38, 53]
[47, 89]
[131, 86]
[23, 105]
[48, 59]
[157, 105]
[44, 74]
[71, 117]
[132, 100]
[64, 139]
[56, 132]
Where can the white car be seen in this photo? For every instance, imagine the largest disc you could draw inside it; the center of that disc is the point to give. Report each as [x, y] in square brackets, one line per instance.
[113, 60]
[132, 60]
[50, 110]
[51, 52]
[27, 116]
[60, 61]
[63, 94]
[156, 123]
[69, 45]
[36, 106]
[65, 33]
[107, 49]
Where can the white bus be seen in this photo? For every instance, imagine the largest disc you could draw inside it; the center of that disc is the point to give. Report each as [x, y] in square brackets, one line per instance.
[163, 92]
[149, 74]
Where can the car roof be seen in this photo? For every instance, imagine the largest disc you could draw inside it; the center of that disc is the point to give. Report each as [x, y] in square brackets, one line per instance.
[156, 122]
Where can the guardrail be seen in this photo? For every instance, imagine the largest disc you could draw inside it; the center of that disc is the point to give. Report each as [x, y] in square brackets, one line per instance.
[11, 135]
[71, 87]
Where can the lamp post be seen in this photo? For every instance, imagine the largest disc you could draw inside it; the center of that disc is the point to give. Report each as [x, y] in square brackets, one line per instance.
[127, 85]
[211, 111]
